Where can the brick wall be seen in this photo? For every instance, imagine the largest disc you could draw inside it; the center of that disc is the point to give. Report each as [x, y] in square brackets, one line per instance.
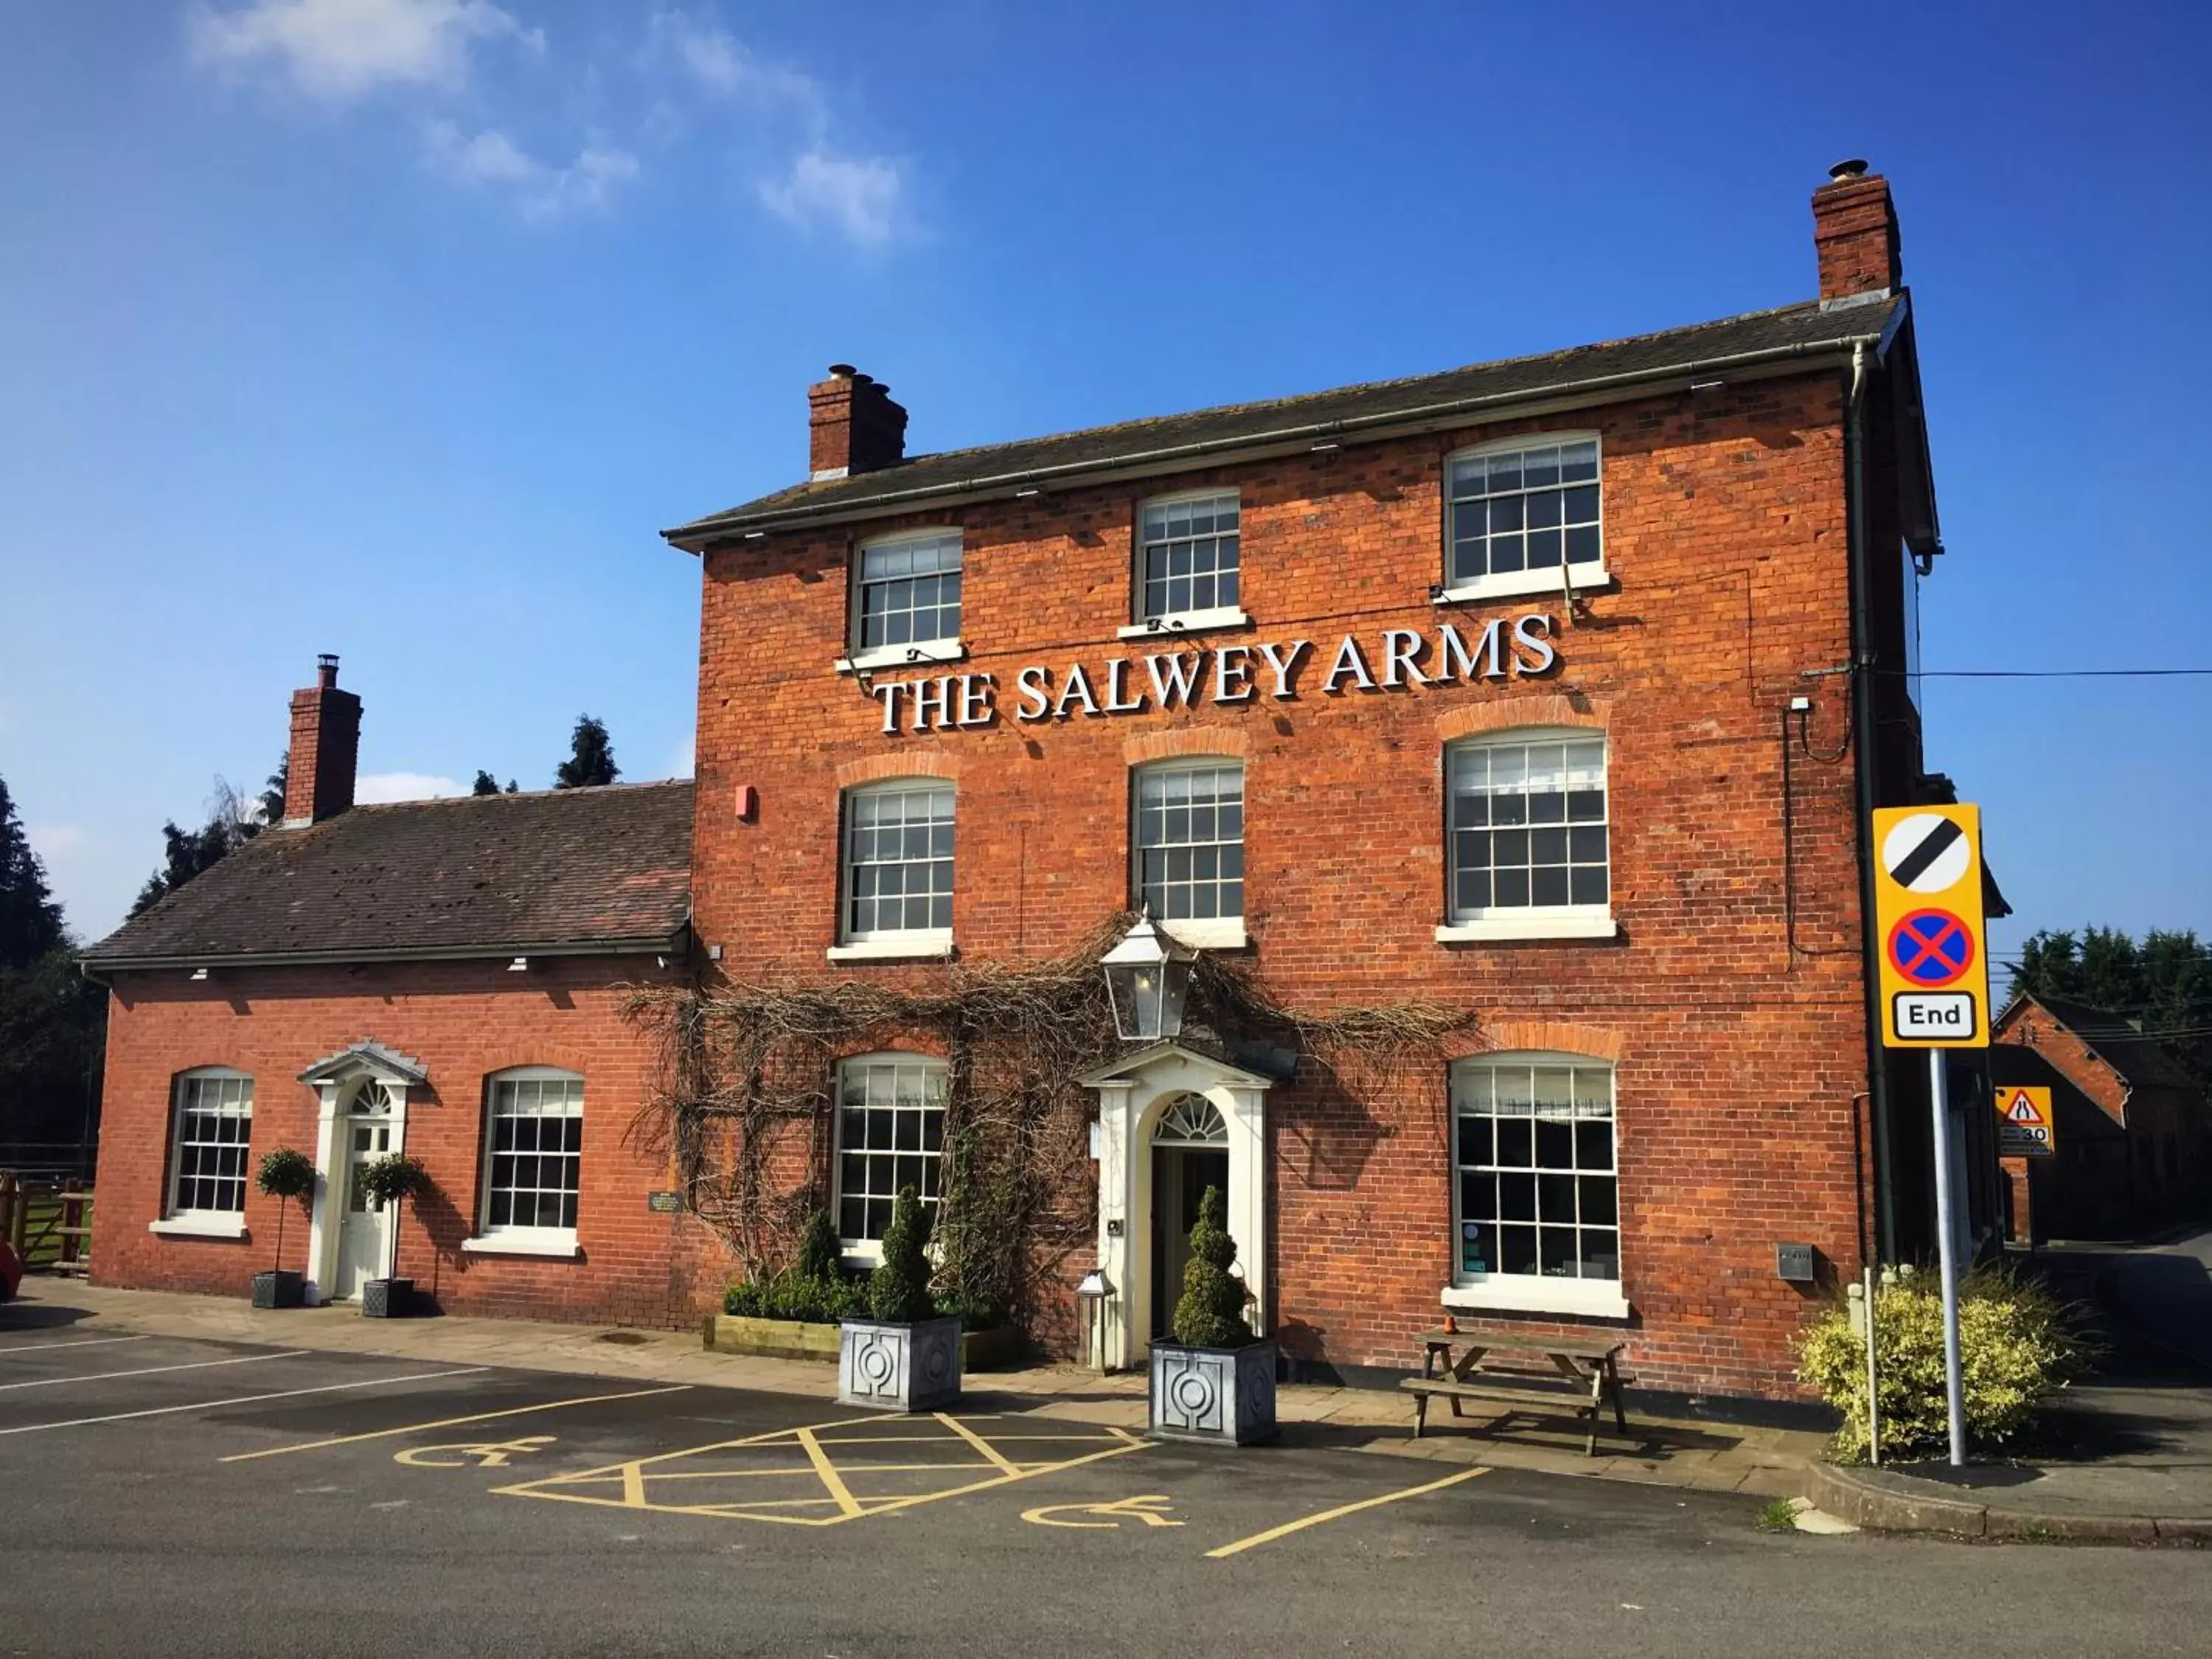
[462, 1021]
[1731, 1005]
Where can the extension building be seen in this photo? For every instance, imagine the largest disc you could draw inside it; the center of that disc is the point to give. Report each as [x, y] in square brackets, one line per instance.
[1532, 707]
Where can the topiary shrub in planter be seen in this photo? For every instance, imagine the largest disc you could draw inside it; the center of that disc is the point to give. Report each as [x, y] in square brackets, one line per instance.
[286, 1175]
[2018, 1346]
[391, 1180]
[1215, 1382]
[903, 1356]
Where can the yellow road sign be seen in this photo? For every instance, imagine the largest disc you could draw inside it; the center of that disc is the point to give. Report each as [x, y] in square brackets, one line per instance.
[2026, 1128]
[1928, 930]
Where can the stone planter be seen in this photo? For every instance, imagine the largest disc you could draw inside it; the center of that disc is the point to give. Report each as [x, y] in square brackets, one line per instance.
[1220, 1396]
[791, 1338]
[900, 1368]
[280, 1288]
[387, 1298]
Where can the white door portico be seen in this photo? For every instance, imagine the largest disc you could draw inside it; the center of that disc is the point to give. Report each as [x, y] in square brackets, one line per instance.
[366, 1081]
[1133, 1091]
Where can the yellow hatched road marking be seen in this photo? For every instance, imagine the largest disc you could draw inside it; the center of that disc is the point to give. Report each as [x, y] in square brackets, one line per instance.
[992, 1455]
[1288, 1527]
[446, 1422]
[827, 1471]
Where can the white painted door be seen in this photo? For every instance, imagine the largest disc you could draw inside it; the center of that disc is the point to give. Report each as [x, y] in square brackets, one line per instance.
[364, 1235]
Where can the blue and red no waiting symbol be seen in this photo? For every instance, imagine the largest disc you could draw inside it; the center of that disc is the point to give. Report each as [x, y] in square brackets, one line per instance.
[1931, 947]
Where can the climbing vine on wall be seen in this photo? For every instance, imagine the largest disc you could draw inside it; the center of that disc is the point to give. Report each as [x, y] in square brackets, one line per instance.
[746, 1097]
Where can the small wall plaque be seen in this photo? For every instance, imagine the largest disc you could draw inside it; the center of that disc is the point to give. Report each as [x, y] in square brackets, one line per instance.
[664, 1203]
[1794, 1263]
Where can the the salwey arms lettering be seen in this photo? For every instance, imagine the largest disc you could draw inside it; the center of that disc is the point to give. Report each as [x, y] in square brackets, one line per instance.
[1224, 674]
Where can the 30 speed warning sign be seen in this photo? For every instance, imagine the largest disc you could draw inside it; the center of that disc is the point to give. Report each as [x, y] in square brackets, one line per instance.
[2025, 1127]
[1928, 921]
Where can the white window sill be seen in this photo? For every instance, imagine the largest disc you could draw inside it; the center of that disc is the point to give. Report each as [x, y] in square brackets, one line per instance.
[1184, 622]
[557, 1241]
[1209, 933]
[904, 947]
[861, 1251]
[1513, 584]
[902, 656]
[1589, 1298]
[1486, 928]
[199, 1226]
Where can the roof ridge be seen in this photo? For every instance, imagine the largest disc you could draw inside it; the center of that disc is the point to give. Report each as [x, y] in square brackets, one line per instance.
[519, 794]
[1351, 386]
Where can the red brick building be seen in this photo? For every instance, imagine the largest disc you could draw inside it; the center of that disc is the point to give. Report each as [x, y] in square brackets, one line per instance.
[2134, 1129]
[442, 977]
[1553, 692]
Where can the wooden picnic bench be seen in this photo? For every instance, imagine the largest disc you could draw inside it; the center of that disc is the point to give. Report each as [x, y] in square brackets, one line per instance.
[1594, 1361]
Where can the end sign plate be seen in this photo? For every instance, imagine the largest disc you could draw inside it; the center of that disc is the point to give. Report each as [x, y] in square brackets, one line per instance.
[1928, 921]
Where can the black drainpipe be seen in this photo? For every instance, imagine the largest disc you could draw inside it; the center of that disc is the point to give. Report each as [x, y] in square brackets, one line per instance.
[1862, 725]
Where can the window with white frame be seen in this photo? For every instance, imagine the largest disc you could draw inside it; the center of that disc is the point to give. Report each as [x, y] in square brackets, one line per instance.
[1186, 556]
[898, 860]
[907, 592]
[1190, 840]
[1538, 1188]
[1528, 827]
[214, 1131]
[890, 1128]
[1524, 507]
[533, 1173]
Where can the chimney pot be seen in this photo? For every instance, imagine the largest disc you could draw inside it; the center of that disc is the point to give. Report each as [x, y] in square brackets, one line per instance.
[318, 777]
[853, 425]
[1854, 168]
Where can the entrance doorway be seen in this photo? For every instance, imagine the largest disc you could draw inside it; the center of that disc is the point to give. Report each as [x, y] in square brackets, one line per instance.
[1190, 1153]
[364, 1235]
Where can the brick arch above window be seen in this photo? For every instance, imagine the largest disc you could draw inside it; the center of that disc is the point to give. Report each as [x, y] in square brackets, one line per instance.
[877, 768]
[538, 1056]
[1226, 740]
[1505, 714]
[1538, 1037]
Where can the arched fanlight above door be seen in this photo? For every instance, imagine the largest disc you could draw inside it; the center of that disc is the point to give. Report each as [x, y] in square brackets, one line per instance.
[1191, 1121]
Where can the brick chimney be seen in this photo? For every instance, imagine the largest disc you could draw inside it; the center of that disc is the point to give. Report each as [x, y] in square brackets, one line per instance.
[1855, 233]
[326, 744]
[853, 425]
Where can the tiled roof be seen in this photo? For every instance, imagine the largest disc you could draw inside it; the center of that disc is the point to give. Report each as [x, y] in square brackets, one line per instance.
[1791, 330]
[2141, 1059]
[566, 868]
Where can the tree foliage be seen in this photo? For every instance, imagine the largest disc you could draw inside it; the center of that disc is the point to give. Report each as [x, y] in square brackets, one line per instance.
[1211, 1312]
[592, 758]
[53, 1019]
[485, 784]
[2163, 986]
[233, 820]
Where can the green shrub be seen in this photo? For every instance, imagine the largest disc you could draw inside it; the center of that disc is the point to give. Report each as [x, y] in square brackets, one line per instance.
[898, 1289]
[1211, 1314]
[387, 1180]
[975, 1313]
[2017, 1346]
[284, 1174]
[791, 1295]
[820, 1253]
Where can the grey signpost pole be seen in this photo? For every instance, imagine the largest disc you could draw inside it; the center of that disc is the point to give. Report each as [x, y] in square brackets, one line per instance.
[1939, 1111]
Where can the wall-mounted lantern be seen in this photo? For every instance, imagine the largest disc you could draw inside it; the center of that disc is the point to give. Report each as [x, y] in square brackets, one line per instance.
[1147, 976]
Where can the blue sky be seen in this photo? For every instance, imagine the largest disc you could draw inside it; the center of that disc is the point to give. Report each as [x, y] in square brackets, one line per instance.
[398, 327]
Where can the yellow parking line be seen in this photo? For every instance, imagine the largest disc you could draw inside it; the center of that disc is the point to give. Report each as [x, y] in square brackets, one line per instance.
[446, 1423]
[827, 1471]
[998, 1460]
[1288, 1527]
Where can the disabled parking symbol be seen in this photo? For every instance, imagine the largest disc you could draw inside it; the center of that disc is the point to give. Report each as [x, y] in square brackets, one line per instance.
[1931, 947]
[471, 1455]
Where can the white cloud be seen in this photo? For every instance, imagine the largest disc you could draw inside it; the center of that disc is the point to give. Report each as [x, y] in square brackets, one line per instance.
[492, 159]
[374, 788]
[685, 762]
[722, 64]
[858, 197]
[344, 49]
